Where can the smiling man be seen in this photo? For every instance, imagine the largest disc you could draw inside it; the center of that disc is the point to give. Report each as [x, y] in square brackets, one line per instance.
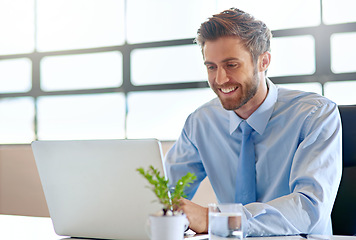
[276, 151]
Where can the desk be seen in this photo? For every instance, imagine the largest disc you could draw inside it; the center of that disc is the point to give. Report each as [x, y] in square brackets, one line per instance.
[26, 228]
[41, 228]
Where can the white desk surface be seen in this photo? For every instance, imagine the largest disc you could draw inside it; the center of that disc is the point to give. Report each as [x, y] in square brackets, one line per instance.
[26, 228]
[41, 228]
[312, 237]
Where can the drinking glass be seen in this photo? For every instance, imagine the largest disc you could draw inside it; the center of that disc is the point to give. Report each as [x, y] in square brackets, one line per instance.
[225, 221]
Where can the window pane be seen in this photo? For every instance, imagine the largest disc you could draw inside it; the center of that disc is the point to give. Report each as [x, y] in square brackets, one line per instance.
[149, 21]
[167, 65]
[342, 93]
[96, 116]
[161, 114]
[68, 24]
[343, 52]
[83, 71]
[292, 56]
[16, 26]
[279, 14]
[340, 11]
[15, 75]
[17, 120]
[306, 87]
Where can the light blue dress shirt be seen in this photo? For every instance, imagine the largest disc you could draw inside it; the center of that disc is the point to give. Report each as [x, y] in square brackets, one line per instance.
[297, 138]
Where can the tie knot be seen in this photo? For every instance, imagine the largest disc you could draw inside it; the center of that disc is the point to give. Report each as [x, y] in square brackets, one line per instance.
[245, 128]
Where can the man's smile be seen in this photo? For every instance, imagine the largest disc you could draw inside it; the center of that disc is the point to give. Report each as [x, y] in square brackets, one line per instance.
[228, 90]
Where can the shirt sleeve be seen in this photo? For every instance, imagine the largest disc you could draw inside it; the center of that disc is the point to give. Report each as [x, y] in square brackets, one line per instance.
[314, 179]
[182, 158]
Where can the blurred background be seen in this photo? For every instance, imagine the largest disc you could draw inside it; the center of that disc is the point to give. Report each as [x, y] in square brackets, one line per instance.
[103, 69]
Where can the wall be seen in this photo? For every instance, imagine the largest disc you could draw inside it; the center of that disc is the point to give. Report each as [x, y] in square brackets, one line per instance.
[20, 187]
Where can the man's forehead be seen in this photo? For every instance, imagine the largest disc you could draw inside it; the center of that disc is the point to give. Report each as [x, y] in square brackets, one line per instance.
[225, 49]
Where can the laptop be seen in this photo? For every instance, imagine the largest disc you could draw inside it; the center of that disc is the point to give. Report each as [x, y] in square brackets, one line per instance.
[92, 187]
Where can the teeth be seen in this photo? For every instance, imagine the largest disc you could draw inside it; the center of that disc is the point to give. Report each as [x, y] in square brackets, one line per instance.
[227, 90]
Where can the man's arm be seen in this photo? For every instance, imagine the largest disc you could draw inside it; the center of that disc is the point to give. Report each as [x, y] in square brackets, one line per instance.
[182, 158]
[314, 179]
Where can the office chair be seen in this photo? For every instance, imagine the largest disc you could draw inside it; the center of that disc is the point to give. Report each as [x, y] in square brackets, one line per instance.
[344, 211]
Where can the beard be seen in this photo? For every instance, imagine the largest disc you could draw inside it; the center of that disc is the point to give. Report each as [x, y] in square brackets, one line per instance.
[247, 92]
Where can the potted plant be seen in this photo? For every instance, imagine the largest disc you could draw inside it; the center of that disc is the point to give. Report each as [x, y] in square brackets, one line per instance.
[170, 223]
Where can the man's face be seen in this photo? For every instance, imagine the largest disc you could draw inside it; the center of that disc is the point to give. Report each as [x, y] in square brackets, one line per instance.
[231, 72]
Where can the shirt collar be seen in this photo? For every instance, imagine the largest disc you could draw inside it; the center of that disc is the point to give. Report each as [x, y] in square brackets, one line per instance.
[259, 118]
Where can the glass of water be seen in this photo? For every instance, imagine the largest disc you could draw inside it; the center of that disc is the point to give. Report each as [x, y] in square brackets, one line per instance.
[225, 221]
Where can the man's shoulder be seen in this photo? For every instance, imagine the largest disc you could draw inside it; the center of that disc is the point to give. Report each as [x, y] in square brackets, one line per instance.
[290, 97]
[211, 111]
[211, 106]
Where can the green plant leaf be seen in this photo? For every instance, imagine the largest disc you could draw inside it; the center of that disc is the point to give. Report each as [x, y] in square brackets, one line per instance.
[169, 198]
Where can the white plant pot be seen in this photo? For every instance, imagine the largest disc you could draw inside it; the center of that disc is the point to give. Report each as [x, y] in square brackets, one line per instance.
[167, 227]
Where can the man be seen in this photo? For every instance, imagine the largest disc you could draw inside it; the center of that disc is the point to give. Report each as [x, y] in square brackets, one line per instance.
[289, 184]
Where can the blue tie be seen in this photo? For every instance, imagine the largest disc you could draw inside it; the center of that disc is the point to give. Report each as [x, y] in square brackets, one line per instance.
[246, 168]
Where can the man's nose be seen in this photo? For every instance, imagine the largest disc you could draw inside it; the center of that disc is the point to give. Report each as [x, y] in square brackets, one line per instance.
[221, 76]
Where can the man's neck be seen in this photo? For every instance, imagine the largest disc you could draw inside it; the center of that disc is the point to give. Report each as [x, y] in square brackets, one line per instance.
[254, 103]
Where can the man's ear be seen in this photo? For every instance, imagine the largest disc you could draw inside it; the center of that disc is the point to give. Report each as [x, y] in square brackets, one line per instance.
[263, 61]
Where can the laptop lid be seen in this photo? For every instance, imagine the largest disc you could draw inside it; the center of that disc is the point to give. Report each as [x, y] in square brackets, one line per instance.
[92, 187]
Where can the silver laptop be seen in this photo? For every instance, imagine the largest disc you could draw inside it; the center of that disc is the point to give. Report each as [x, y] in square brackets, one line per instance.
[92, 187]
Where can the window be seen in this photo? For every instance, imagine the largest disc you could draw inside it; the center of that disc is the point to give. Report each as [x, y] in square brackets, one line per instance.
[342, 93]
[306, 87]
[340, 11]
[17, 120]
[81, 71]
[161, 20]
[94, 116]
[101, 23]
[17, 24]
[343, 52]
[15, 75]
[167, 65]
[95, 69]
[292, 56]
[279, 14]
[161, 114]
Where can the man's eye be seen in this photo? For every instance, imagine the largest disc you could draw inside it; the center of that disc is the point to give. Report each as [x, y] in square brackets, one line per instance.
[232, 65]
[210, 67]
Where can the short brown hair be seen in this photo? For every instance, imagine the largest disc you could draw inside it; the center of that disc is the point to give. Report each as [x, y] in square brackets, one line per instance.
[234, 22]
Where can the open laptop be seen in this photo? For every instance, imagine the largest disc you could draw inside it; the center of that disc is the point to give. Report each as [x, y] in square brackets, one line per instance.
[92, 187]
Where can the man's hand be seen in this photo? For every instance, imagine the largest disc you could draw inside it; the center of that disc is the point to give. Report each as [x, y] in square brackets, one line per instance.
[197, 215]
